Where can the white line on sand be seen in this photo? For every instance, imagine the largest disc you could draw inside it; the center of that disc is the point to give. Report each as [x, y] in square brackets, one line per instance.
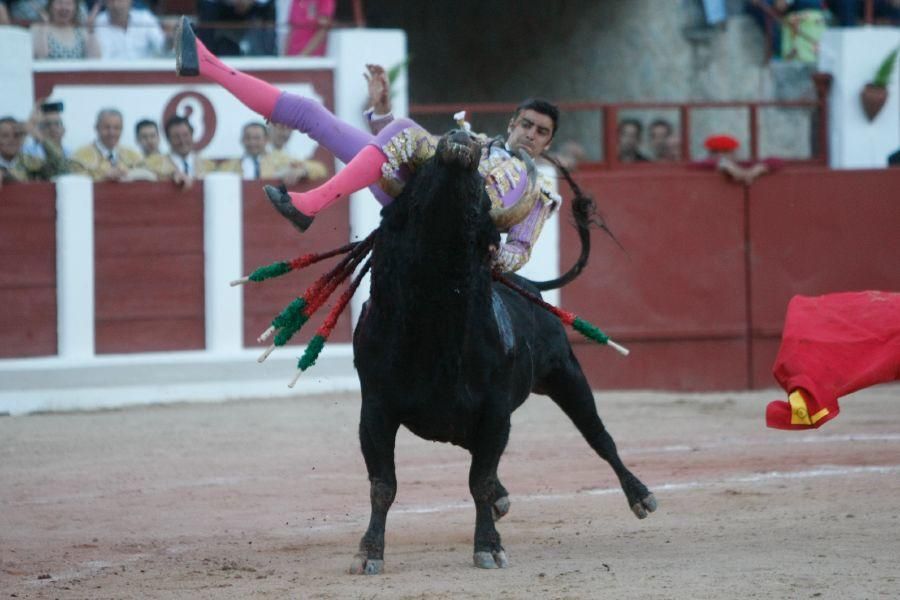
[751, 479]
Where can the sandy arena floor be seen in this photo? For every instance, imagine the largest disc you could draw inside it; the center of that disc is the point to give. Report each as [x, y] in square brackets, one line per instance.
[268, 499]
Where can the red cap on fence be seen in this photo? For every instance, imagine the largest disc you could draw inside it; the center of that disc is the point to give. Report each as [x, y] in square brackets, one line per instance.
[721, 143]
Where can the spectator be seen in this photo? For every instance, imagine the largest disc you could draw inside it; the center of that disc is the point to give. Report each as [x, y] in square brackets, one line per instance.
[309, 22]
[804, 22]
[104, 159]
[279, 135]
[894, 159]
[29, 11]
[660, 133]
[128, 33]
[630, 132]
[257, 163]
[62, 36]
[765, 15]
[673, 148]
[17, 166]
[848, 12]
[721, 150]
[46, 126]
[44, 143]
[569, 155]
[715, 12]
[257, 39]
[146, 132]
[23, 11]
[182, 164]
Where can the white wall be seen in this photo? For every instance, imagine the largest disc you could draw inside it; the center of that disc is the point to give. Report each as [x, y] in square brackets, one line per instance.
[149, 100]
[17, 95]
[353, 49]
[852, 56]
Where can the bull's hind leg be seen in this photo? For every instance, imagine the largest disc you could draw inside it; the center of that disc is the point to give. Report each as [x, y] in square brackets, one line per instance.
[570, 390]
[485, 487]
[377, 439]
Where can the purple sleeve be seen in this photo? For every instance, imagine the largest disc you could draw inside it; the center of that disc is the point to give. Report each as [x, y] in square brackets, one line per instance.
[520, 240]
[376, 124]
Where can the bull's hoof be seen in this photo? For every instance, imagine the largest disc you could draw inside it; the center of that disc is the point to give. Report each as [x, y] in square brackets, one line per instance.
[187, 63]
[491, 560]
[500, 507]
[366, 566]
[644, 507]
[282, 203]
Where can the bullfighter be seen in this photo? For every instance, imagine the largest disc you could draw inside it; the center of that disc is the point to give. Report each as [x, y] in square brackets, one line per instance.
[384, 161]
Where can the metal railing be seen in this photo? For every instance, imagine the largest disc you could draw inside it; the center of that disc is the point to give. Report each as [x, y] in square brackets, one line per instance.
[608, 116]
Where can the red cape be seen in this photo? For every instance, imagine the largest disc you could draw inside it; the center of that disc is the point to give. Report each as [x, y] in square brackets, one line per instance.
[833, 345]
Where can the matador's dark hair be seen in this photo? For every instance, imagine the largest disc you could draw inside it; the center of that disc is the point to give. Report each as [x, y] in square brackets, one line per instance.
[545, 107]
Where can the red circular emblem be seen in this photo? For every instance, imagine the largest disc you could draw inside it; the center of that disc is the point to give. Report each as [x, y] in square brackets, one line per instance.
[196, 108]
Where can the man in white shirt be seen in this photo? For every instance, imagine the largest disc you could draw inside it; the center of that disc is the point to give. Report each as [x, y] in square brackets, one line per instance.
[46, 125]
[128, 33]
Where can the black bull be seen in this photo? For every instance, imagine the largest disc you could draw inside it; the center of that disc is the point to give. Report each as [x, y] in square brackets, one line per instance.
[438, 353]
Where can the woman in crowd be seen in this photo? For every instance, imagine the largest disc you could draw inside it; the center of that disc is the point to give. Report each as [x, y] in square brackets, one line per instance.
[63, 36]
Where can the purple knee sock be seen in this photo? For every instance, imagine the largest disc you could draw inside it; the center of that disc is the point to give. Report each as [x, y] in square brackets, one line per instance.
[338, 137]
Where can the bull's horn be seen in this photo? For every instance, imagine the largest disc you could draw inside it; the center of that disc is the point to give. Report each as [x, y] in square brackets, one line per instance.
[506, 217]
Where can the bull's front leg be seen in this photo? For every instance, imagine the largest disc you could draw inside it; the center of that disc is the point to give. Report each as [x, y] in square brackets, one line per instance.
[377, 438]
[484, 486]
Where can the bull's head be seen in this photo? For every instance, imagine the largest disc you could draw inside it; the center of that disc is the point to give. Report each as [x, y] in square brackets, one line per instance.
[459, 147]
[462, 148]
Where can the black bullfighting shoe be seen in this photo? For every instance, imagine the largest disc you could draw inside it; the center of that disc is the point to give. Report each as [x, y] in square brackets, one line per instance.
[280, 199]
[186, 60]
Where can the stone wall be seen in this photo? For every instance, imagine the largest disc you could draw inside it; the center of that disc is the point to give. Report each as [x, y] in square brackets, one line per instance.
[613, 51]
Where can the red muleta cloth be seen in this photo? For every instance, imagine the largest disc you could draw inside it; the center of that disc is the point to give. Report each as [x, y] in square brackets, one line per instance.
[833, 345]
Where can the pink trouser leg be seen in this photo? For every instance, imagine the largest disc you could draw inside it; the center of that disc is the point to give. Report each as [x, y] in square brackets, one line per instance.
[362, 171]
[256, 94]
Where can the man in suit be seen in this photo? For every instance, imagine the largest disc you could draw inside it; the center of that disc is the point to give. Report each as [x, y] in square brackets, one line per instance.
[182, 164]
[146, 132]
[15, 165]
[104, 159]
[259, 163]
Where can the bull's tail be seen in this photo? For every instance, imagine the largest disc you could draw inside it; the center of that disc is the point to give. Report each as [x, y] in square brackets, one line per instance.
[584, 211]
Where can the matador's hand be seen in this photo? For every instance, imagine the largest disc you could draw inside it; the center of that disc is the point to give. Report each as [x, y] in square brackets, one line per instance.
[379, 89]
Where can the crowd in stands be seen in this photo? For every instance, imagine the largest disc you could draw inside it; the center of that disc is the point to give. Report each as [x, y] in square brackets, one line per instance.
[664, 146]
[130, 29]
[795, 26]
[37, 151]
[662, 142]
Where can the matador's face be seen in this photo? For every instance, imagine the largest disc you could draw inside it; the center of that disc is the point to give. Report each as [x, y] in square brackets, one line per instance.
[531, 131]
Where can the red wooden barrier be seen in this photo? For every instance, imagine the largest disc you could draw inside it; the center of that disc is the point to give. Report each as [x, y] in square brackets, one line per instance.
[712, 265]
[27, 270]
[148, 241]
[817, 232]
[677, 298]
[268, 237]
[699, 295]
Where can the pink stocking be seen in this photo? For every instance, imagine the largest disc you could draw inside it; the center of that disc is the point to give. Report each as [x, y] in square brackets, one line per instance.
[256, 94]
[362, 171]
